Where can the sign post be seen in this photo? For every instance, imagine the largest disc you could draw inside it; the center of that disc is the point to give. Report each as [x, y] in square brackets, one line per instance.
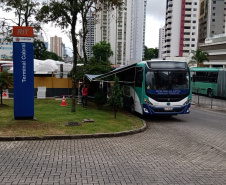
[23, 72]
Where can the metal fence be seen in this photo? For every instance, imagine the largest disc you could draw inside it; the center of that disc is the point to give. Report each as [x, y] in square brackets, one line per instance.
[209, 102]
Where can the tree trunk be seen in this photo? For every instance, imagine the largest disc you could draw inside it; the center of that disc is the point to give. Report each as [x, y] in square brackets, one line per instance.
[1, 97]
[115, 113]
[75, 53]
[73, 96]
[84, 49]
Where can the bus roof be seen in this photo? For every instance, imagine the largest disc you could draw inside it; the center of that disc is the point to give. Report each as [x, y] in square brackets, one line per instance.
[161, 60]
[115, 71]
[204, 69]
[141, 63]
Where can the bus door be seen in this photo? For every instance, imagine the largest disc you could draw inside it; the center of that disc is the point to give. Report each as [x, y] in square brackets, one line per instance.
[138, 93]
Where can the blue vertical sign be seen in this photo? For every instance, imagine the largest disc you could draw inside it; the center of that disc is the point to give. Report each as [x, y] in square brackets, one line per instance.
[23, 72]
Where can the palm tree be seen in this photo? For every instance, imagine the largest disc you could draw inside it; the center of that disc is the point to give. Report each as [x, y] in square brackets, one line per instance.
[199, 57]
[6, 81]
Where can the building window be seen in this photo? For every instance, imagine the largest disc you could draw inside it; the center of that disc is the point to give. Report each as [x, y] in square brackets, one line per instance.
[185, 51]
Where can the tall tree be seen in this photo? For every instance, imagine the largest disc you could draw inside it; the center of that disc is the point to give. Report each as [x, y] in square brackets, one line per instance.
[24, 11]
[6, 80]
[99, 63]
[41, 53]
[150, 53]
[102, 51]
[96, 67]
[65, 14]
[116, 99]
[39, 49]
[51, 55]
[199, 57]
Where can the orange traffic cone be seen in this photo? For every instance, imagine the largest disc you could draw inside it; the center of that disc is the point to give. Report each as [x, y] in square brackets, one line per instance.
[63, 102]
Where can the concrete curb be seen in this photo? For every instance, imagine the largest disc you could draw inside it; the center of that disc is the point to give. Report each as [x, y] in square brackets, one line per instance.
[80, 136]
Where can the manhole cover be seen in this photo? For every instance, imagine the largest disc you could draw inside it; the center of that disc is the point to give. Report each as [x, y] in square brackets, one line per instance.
[73, 124]
[88, 120]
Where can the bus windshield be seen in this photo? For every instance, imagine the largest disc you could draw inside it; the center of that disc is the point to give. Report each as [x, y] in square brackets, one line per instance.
[167, 82]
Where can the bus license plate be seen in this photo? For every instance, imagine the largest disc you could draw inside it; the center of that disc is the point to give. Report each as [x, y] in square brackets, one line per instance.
[168, 108]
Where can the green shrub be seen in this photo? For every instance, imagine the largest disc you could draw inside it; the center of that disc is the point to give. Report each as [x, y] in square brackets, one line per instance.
[100, 98]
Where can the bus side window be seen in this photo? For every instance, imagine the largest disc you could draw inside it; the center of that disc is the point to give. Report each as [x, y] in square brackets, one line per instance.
[193, 78]
[139, 77]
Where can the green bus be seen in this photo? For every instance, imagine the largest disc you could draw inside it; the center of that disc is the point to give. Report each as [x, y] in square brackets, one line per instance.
[209, 81]
[154, 87]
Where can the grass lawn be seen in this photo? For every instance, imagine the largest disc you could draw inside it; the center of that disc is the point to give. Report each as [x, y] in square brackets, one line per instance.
[51, 120]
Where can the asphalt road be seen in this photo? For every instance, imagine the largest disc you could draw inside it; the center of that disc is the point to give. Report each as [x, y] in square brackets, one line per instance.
[185, 149]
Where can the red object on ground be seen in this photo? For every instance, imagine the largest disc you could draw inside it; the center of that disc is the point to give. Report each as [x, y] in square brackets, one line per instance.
[63, 102]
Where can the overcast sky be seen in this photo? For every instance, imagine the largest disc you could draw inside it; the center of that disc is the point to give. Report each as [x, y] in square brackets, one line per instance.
[155, 19]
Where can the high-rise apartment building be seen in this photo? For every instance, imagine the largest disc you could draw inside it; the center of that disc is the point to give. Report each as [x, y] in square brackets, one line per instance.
[161, 41]
[90, 38]
[181, 27]
[211, 18]
[64, 51]
[124, 29]
[56, 45]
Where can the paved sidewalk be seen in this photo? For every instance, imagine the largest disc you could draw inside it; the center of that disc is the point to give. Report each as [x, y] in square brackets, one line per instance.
[185, 149]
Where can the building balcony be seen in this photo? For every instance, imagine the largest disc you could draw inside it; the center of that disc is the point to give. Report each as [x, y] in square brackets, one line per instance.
[168, 32]
[168, 38]
[170, 8]
[188, 18]
[167, 43]
[187, 24]
[187, 36]
[189, 6]
[186, 48]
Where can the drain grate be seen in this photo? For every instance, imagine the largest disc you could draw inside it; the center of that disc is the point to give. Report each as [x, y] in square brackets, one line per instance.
[73, 124]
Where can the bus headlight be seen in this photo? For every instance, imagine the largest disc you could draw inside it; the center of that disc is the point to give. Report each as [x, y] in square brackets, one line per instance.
[188, 110]
[188, 101]
[145, 110]
[147, 101]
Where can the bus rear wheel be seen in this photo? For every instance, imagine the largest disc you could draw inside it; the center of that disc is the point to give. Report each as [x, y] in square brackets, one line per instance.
[210, 93]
